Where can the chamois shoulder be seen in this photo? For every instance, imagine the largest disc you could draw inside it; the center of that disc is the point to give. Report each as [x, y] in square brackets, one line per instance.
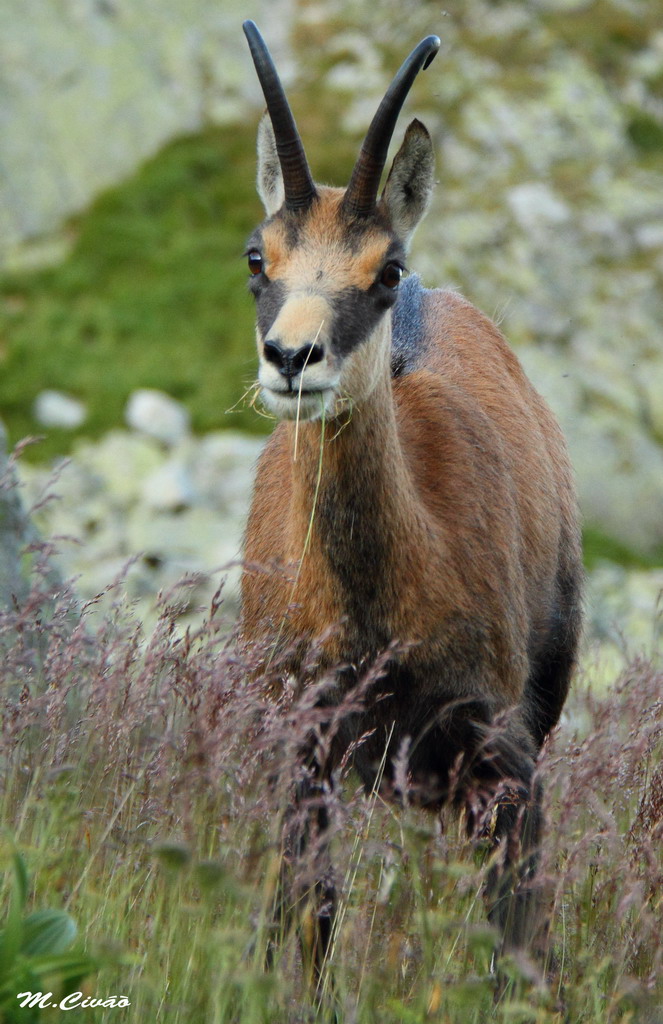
[439, 330]
[407, 337]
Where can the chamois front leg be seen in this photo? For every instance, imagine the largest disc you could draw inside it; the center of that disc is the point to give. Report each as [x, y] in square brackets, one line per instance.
[509, 818]
[502, 799]
[306, 896]
[484, 765]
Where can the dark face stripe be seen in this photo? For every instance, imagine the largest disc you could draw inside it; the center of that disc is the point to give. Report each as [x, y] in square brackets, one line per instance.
[270, 296]
[357, 314]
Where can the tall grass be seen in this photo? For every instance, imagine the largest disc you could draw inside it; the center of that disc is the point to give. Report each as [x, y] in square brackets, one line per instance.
[135, 784]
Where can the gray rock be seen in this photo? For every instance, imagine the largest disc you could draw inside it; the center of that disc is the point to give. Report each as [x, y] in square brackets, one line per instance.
[125, 506]
[169, 488]
[13, 531]
[55, 409]
[534, 204]
[620, 474]
[22, 551]
[618, 464]
[624, 611]
[116, 465]
[224, 468]
[89, 90]
[158, 415]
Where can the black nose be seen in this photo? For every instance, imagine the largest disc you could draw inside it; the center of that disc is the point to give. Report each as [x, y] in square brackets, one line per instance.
[290, 361]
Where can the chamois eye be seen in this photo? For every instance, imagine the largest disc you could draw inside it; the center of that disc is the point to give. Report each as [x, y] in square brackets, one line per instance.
[255, 262]
[391, 275]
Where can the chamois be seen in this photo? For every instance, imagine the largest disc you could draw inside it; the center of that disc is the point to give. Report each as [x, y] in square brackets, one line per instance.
[415, 500]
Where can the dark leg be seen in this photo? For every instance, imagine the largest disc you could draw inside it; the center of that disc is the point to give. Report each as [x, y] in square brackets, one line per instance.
[306, 897]
[554, 661]
[484, 765]
[510, 824]
[502, 799]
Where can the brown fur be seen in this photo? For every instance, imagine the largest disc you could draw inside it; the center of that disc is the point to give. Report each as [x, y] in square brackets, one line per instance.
[473, 485]
[442, 521]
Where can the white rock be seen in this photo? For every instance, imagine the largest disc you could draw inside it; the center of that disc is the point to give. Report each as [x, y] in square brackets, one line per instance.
[66, 75]
[354, 77]
[620, 478]
[534, 203]
[223, 470]
[170, 487]
[650, 236]
[55, 409]
[120, 462]
[624, 607]
[649, 375]
[158, 415]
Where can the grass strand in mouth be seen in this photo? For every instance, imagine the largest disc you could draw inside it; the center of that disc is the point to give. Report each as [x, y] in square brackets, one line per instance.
[309, 532]
[299, 392]
[253, 390]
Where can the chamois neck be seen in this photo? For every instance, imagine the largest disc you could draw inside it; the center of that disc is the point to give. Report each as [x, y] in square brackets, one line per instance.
[357, 518]
[355, 457]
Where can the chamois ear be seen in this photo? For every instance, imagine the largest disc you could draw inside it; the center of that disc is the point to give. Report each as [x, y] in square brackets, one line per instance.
[410, 183]
[270, 176]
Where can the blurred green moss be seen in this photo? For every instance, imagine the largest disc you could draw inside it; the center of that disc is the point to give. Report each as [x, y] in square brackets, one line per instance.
[646, 133]
[152, 295]
[598, 547]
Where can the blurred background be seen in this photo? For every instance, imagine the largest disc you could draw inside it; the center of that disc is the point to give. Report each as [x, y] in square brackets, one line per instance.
[127, 166]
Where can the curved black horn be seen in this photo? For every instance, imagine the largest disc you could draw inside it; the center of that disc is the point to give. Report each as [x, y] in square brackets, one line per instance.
[361, 195]
[297, 181]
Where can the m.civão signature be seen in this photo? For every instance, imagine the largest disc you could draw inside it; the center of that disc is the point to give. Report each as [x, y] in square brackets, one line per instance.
[73, 1001]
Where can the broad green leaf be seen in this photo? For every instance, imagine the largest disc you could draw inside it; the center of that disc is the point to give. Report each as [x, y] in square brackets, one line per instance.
[47, 932]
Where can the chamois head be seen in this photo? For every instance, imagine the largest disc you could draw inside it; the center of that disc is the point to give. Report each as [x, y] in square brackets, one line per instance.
[326, 264]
